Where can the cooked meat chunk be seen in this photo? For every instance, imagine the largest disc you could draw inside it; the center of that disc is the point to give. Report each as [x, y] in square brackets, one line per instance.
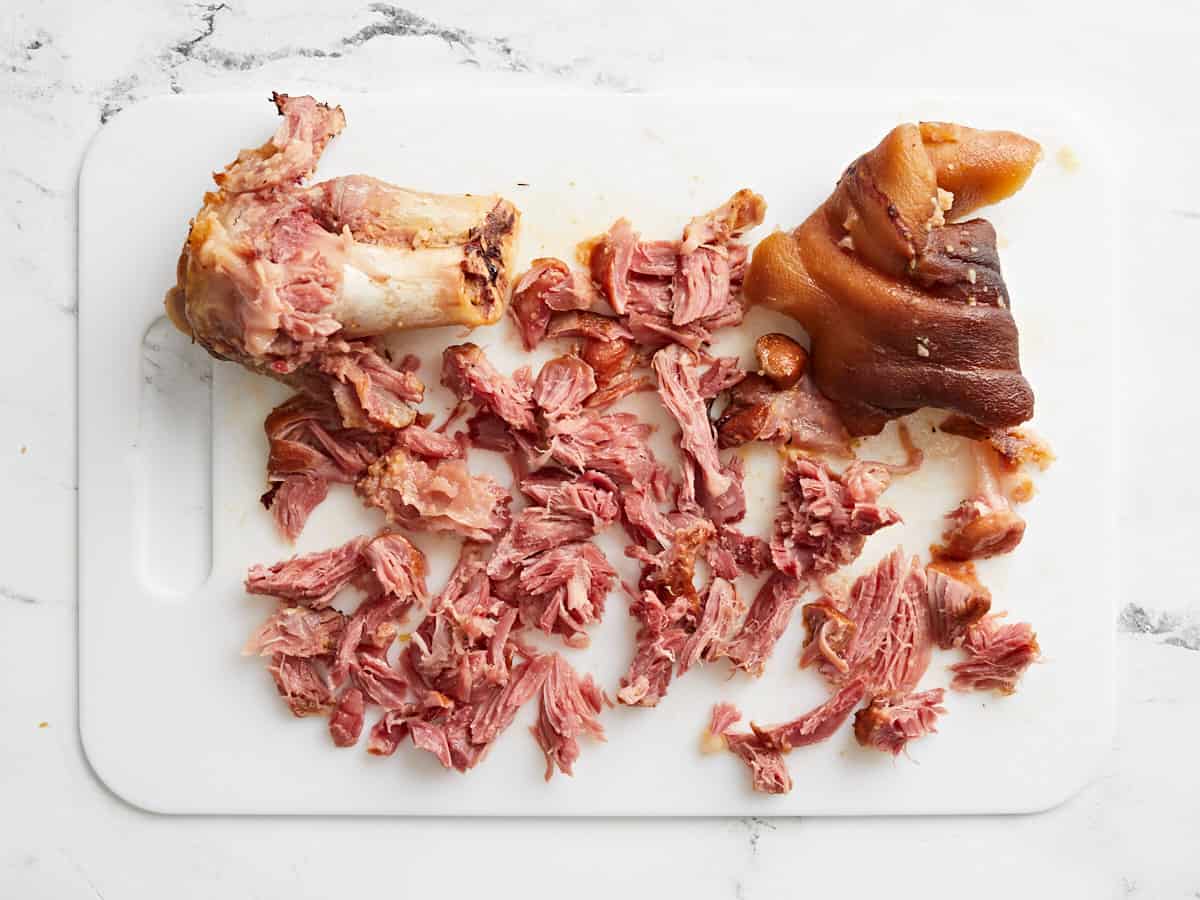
[290, 280]
[956, 601]
[986, 524]
[905, 310]
[888, 723]
[997, 656]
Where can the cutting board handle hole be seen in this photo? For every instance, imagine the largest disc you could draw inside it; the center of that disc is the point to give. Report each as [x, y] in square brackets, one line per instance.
[173, 456]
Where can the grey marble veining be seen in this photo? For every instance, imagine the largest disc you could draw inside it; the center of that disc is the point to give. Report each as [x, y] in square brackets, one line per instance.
[67, 67]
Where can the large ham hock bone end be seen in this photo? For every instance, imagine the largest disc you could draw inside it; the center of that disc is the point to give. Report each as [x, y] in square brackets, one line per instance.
[904, 301]
[274, 273]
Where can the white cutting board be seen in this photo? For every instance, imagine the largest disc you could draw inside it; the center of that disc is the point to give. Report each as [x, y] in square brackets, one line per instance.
[171, 459]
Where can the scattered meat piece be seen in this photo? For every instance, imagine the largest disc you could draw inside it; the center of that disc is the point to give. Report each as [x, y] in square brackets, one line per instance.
[703, 287]
[997, 656]
[346, 720]
[562, 385]
[656, 258]
[388, 732]
[472, 377]
[799, 415]
[724, 717]
[429, 444]
[763, 748]
[613, 362]
[827, 635]
[679, 387]
[369, 393]
[671, 573]
[956, 601]
[768, 770]
[613, 444]
[591, 496]
[751, 554]
[309, 449]
[372, 628]
[866, 480]
[781, 360]
[741, 212]
[381, 682]
[889, 724]
[563, 591]
[722, 373]
[432, 739]
[549, 285]
[769, 616]
[569, 707]
[890, 646]
[985, 525]
[904, 310]
[816, 725]
[501, 707]
[573, 511]
[718, 622]
[399, 566]
[444, 496]
[298, 632]
[302, 683]
[610, 260]
[820, 526]
[658, 644]
[313, 579]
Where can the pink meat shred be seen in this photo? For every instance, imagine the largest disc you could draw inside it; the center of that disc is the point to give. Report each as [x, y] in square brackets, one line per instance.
[956, 602]
[313, 579]
[821, 526]
[997, 656]
[569, 706]
[562, 386]
[303, 683]
[470, 375]
[346, 719]
[563, 591]
[679, 386]
[889, 723]
[984, 525]
[298, 631]
[890, 645]
[768, 618]
[548, 286]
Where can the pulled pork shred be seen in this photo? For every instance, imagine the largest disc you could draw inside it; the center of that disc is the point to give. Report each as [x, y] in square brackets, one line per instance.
[997, 656]
[888, 724]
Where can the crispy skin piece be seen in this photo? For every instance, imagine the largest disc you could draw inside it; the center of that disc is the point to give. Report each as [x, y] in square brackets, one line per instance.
[905, 310]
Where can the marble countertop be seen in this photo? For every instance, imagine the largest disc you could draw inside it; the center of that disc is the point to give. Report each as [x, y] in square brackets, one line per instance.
[66, 68]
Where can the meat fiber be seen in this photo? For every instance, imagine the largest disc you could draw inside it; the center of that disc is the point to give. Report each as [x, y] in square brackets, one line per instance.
[309, 449]
[762, 749]
[302, 682]
[444, 496]
[398, 566]
[768, 618]
[346, 719]
[821, 526]
[986, 524]
[467, 372]
[890, 645]
[997, 656]
[719, 618]
[816, 725]
[569, 707]
[828, 631]
[956, 601]
[369, 392]
[297, 631]
[612, 444]
[679, 387]
[702, 286]
[562, 386]
[290, 280]
[313, 579]
[658, 644]
[888, 724]
[563, 591]
[431, 445]
[548, 286]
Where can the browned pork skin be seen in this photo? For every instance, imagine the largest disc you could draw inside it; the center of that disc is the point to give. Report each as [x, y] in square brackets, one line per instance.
[905, 310]
[274, 275]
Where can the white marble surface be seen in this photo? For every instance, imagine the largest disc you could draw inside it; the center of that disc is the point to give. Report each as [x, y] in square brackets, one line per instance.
[65, 68]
